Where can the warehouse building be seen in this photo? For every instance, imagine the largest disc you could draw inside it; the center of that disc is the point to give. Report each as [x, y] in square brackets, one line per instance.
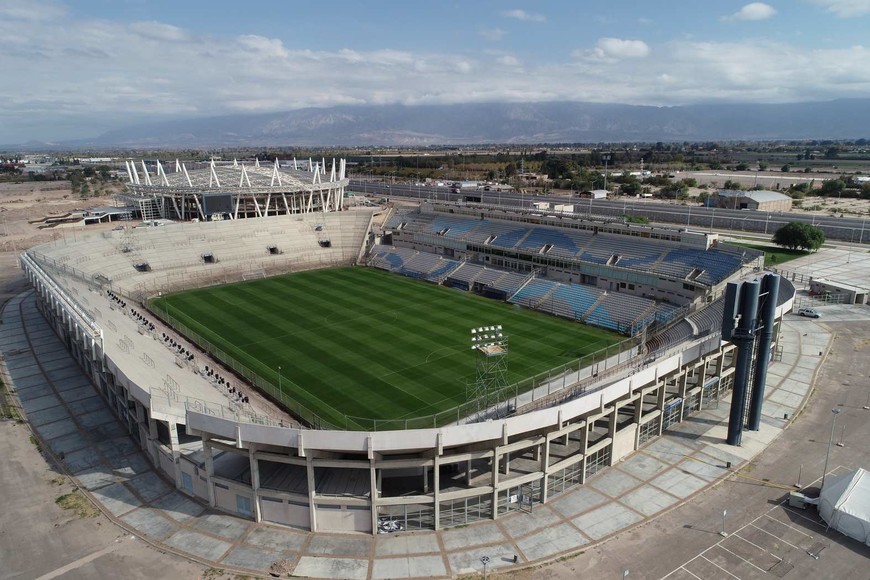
[754, 200]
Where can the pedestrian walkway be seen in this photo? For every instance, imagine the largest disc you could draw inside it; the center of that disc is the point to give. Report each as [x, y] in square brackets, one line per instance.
[78, 429]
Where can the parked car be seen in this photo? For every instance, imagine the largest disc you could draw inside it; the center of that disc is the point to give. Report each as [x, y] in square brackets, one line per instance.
[809, 313]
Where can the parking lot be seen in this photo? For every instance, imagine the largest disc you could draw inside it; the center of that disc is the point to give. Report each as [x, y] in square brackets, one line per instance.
[781, 542]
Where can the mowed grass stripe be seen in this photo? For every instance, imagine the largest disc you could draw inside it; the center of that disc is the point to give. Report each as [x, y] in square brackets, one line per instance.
[314, 362]
[367, 343]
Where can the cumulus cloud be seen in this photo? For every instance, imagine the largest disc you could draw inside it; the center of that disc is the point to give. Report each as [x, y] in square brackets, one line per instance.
[493, 34]
[618, 48]
[518, 14]
[753, 11]
[845, 8]
[263, 47]
[74, 77]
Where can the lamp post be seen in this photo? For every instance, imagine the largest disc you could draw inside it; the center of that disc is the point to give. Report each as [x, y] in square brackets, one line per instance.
[606, 158]
[830, 443]
[279, 378]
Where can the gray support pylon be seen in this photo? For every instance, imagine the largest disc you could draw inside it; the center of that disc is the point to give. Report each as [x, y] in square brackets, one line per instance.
[743, 337]
[765, 338]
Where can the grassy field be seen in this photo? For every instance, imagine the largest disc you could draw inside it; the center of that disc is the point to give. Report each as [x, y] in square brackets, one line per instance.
[366, 343]
[775, 255]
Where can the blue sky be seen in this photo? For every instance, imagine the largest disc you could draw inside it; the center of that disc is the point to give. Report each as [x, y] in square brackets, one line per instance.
[81, 68]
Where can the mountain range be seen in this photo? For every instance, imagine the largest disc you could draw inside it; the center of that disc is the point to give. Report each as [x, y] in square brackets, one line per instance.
[516, 123]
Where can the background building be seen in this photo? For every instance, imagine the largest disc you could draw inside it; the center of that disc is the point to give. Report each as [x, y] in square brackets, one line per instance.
[755, 200]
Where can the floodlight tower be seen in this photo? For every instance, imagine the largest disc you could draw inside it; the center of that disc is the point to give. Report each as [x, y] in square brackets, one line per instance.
[490, 343]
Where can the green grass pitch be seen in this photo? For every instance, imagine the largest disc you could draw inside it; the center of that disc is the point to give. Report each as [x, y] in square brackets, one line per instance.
[367, 343]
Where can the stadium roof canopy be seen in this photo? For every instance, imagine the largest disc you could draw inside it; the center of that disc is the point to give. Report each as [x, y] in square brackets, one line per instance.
[235, 178]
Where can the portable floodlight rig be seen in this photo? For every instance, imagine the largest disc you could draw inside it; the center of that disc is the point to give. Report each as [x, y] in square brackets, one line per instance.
[490, 344]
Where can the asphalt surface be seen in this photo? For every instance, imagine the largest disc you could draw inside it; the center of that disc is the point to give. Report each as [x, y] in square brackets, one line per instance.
[840, 228]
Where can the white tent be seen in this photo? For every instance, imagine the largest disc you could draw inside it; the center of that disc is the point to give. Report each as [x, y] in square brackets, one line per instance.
[845, 504]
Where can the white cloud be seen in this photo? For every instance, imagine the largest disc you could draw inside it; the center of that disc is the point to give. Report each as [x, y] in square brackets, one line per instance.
[618, 48]
[32, 10]
[158, 31]
[493, 34]
[753, 11]
[518, 14]
[77, 78]
[845, 8]
[263, 47]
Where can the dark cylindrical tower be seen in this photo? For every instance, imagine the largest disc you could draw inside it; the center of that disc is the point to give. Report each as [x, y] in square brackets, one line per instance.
[770, 287]
[743, 337]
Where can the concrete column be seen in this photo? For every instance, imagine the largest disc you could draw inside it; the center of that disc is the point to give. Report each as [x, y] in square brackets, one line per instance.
[660, 395]
[545, 460]
[683, 384]
[468, 472]
[309, 466]
[425, 479]
[720, 362]
[209, 470]
[152, 438]
[507, 463]
[255, 482]
[436, 484]
[176, 452]
[612, 420]
[494, 480]
[374, 481]
[638, 409]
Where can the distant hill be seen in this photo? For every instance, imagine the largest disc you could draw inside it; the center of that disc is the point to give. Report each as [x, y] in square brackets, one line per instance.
[553, 122]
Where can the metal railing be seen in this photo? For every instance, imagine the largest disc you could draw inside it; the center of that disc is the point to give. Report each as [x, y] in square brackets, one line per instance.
[518, 395]
[511, 397]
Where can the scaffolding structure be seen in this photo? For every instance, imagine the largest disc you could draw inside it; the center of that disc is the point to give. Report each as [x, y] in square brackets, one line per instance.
[490, 345]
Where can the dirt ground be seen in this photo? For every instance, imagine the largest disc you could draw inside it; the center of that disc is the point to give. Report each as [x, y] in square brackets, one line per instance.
[21, 203]
[38, 539]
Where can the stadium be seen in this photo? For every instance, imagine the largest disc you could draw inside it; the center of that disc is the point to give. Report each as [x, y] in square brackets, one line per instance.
[286, 358]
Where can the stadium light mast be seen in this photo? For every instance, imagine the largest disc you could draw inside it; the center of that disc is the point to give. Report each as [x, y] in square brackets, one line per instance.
[606, 158]
[491, 345]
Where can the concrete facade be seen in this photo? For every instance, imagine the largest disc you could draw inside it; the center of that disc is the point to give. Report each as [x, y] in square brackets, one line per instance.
[338, 481]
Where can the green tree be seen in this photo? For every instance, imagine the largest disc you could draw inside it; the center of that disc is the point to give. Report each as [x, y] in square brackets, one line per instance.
[798, 235]
[631, 187]
[677, 190]
[732, 185]
[832, 187]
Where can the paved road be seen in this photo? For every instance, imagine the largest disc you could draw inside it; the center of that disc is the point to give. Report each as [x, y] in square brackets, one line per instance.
[840, 228]
[680, 544]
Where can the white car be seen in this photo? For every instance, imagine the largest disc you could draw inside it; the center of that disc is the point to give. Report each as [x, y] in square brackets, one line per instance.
[809, 313]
